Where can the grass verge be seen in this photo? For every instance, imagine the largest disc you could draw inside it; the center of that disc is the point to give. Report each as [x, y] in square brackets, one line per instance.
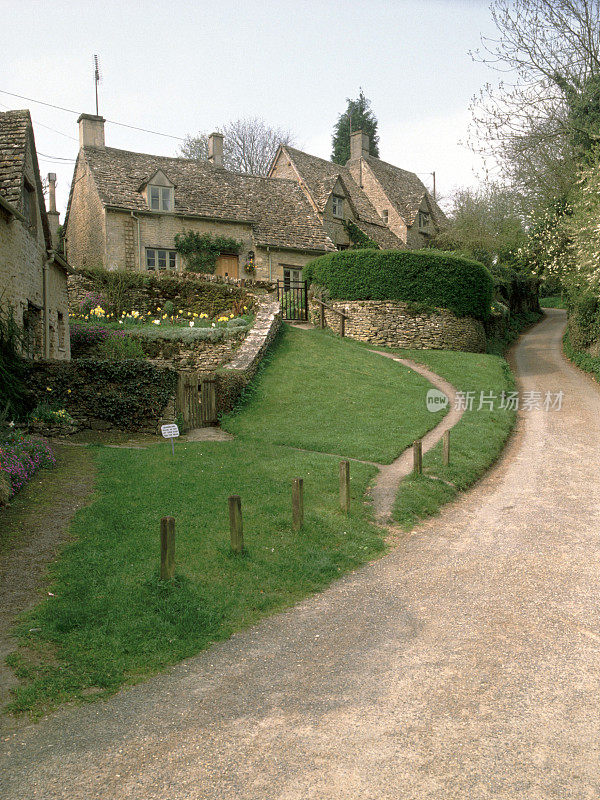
[583, 360]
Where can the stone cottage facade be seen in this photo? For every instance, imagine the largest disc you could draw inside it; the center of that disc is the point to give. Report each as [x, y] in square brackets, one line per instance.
[389, 204]
[33, 276]
[125, 209]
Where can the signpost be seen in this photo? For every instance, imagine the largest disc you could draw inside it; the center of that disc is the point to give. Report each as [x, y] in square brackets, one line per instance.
[170, 432]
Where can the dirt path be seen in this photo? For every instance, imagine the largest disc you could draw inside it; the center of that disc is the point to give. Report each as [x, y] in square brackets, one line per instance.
[464, 664]
[31, 529]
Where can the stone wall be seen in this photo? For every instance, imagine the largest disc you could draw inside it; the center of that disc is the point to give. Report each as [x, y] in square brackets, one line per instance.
[191, 356]
[395, 324]
[85, 225]
[234, 376]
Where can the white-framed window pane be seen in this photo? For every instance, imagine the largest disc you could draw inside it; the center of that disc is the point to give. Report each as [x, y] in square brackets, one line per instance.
[150, 259]
[172, 259]
[154, 198]
[166, 199]
[162, 259]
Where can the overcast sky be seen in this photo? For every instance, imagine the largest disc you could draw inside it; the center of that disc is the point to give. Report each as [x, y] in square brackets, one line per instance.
[182, 67]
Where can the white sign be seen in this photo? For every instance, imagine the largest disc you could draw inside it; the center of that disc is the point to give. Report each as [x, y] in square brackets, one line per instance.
[169, 431]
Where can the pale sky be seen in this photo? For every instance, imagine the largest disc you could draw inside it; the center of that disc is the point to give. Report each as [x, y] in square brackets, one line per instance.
[182, 67]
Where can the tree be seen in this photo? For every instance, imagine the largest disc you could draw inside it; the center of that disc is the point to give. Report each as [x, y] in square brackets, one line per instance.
[357, 117]
[249, 145]
[529, 124]
[486, 224]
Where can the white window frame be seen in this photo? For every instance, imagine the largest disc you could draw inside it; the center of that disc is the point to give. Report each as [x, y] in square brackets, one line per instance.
[164, 193]
[153, 254]
[337, 206]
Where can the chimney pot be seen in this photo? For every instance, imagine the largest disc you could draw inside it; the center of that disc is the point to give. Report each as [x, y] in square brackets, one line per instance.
[53, 216]
[91, 130]
[215, 149]
[359, 145]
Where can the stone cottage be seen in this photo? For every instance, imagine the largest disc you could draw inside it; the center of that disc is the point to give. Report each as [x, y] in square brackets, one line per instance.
[125, 209]
[33, 276]
[389, 204]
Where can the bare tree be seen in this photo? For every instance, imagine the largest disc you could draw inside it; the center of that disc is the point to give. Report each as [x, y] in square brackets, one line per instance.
[249, 145]
[551, 51]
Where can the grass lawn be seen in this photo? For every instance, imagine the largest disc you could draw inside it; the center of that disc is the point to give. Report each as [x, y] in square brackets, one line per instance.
[476, 441]
[110, 621]
[331, 395]
[553, 302]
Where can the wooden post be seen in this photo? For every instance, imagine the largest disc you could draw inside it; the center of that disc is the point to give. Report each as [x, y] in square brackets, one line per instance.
[322, 307]
[167, 548]
[345, 486]
[297, 503]
[418, 457]
[235, 523]
[343, 326]
[446, 448]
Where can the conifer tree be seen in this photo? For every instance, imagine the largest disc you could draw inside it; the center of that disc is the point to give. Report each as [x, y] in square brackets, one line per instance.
[357, 117]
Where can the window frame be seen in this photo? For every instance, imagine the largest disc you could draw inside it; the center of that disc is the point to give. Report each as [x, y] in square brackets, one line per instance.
[424, 221]
[30, 204]
[337, 206]
[170, 256]
[385, 216]
[161, 198]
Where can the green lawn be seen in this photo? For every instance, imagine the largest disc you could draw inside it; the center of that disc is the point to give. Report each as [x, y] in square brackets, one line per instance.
[331, 395]
[476, 441]
[109, 620]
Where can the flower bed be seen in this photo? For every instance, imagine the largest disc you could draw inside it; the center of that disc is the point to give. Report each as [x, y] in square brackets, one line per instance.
[20, 458]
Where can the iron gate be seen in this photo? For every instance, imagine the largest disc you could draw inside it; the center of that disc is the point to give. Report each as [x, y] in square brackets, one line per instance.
[293, 296]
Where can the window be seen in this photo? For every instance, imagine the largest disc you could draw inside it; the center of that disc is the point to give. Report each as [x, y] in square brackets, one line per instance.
[161, 259]
[385, 216]
[61, 332]
[424, 221]
[160, 198]
[29, 204]
[337, 205]
[291, 277]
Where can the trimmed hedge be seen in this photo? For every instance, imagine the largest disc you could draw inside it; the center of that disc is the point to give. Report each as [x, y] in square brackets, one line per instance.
[128, 394]
[423, 276]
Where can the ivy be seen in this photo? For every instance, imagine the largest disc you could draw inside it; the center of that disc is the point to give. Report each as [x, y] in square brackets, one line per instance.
[201, 250]
[359, 239]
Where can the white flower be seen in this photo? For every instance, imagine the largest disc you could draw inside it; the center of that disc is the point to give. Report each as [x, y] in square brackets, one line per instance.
[191, 324]
[156, 322]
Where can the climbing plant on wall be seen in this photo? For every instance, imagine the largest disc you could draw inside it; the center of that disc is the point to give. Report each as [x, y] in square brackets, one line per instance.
[358, 238]
[201, 250]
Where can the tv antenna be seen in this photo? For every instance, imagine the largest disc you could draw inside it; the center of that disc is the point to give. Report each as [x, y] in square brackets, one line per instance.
[96, 79]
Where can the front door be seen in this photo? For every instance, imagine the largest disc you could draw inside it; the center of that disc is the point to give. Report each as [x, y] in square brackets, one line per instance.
[227, 265]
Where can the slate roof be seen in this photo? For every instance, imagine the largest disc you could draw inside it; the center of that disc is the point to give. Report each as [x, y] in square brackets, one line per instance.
[14, 127]
[320, 177]
[278, 210]
[404, 189]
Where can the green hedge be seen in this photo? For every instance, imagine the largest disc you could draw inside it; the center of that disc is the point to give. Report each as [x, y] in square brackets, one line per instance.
[424, 276]
[128, 394]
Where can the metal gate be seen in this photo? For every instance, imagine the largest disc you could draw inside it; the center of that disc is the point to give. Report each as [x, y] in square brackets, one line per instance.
[293, 296]
[196, 400]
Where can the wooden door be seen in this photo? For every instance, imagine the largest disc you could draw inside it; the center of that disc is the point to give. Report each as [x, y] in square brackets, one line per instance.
[227, 265]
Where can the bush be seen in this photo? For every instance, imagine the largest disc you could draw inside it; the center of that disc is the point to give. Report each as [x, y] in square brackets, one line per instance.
[21, 457]
[14, 400]
[434, 278]
[129, 394]
[117, 348]
[87, 337]
[51, 415]
[584, 320]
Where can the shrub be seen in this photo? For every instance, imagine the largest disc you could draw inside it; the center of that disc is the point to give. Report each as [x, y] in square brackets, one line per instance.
[127, 394]
[584, 320]
[21, 457]
[14, 400]
[117, 348]
[434, 278]
[51, 415]
[85, 337]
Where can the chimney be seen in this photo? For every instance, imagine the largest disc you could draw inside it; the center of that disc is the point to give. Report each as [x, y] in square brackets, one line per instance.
[91, 130]
[215, 150]
[53, 217]
[359, 145]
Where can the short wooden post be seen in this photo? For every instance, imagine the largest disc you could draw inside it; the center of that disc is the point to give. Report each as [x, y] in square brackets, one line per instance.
[322, 315]
[342, 326]
[297, 503]
[167, 548]
[235, 523]
[446, 448]
[418, 457]
[345, 486]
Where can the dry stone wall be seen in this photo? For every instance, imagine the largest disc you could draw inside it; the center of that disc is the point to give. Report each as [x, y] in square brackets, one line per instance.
[395, 324]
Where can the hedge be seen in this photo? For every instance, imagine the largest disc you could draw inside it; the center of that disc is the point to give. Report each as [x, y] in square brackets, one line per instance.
[128, 394]
[424, 276]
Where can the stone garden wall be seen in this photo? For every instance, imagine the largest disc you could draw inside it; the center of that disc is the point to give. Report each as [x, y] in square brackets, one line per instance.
[396, 324]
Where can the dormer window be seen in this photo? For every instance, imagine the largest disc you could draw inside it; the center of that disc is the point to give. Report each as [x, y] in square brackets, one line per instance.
[160, 198]
[337, 206]
[424, 221]
[385, 216]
